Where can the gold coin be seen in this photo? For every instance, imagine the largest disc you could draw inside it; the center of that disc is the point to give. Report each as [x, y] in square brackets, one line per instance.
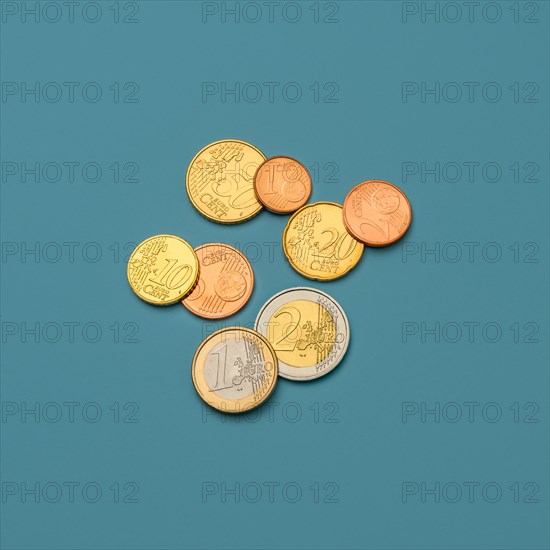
[220, 181]
[316, 243]
[235, 369]
[163, 269]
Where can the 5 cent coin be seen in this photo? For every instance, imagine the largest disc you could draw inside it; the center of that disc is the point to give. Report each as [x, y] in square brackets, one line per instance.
[308, 330]
[235, 369]
[163, 269]
[225, 283]
[377, 213]
[220, 181]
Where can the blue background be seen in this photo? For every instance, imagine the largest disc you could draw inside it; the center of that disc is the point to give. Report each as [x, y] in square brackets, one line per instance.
[175, 445]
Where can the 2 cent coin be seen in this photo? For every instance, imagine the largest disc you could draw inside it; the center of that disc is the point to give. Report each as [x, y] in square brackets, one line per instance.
[377, 213]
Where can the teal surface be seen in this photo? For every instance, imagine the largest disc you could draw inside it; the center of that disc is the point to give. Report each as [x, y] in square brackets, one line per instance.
[433, 432]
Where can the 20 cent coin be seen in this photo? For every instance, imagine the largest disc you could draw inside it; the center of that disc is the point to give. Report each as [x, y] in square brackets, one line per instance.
[317, 244]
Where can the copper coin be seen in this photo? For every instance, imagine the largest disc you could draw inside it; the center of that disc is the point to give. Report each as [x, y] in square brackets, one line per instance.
[377, 213]
[282, 184]
[225, 283]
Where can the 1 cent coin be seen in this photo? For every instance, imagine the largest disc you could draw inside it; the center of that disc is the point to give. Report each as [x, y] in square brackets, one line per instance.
[163, 269]
[220, 181]
[282, 184]
[377, 213]
[235, 369]
[225, 283]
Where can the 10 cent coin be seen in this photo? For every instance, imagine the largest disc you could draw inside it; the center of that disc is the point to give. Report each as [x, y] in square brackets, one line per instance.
[163, 269]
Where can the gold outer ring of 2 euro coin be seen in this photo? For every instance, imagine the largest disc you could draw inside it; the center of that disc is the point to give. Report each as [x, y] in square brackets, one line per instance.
[163, 269]
[317, 244]
[220, 181]
[235, 369]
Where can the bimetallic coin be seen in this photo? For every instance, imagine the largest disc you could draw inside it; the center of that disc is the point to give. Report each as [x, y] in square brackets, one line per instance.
[317, 244]
[225, 283]
[220, 181]
[235, 369]
[282, 184]
[377, 213]
[308, 330]
[163, 269]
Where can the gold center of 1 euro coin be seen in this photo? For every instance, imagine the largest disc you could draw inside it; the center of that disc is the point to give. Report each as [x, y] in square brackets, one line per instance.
[235, 369]
[220, 181]
[225, 283]
[163, 269]
[317, 244]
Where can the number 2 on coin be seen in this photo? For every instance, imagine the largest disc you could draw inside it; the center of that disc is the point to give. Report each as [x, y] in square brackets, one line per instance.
[335, 243]
[294, 322]
[386, 233]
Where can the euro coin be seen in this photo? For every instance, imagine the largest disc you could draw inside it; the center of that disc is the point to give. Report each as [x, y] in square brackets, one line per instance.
[225, 283]
[317, 244]
[377, 213]
[235, 369]
[163, 269]
[282, 185]
[220, 181]
[308, 330]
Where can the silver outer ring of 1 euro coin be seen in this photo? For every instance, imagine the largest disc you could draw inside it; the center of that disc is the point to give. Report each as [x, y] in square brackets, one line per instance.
[303, 374]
